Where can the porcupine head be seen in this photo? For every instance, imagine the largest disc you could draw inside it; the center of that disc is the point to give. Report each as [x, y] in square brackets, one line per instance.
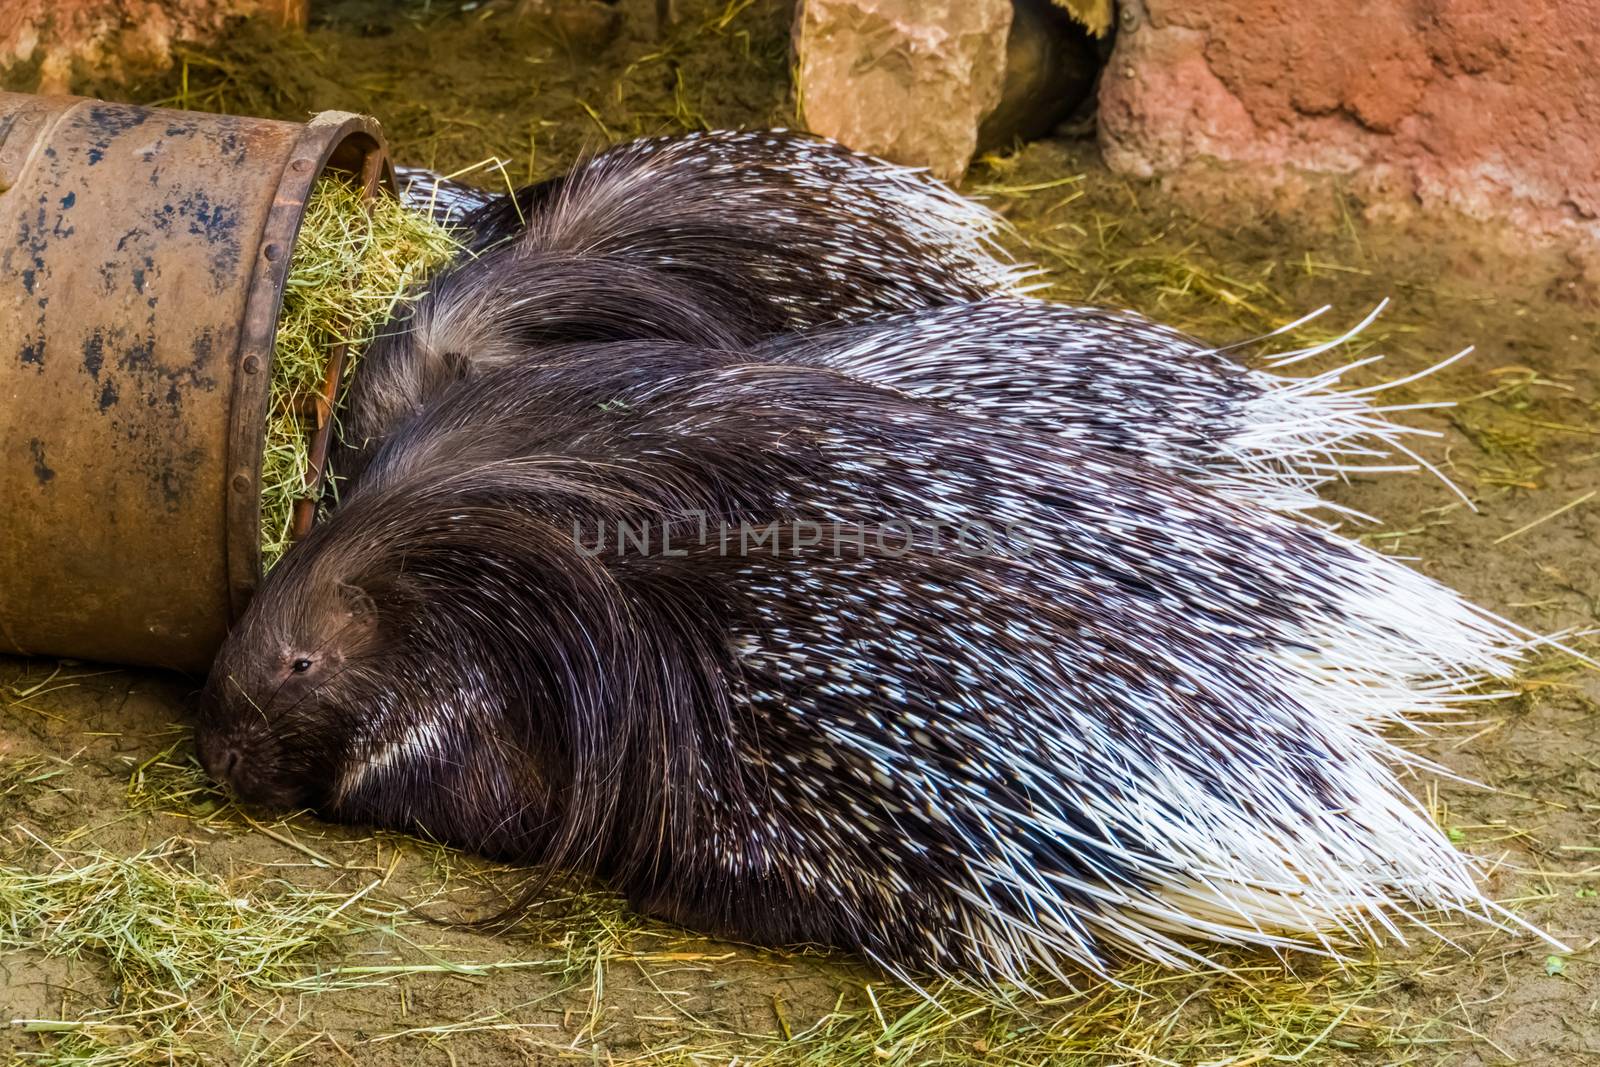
[367, 689]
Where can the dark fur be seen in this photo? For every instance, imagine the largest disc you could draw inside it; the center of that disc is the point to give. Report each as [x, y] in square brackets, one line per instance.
[672, 723]
[713, 239]
[510, 305]
[506, 216]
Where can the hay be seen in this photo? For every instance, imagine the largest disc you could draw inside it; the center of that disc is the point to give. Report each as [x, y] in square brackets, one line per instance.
[188, 956]
[348, 272]
[162, 927]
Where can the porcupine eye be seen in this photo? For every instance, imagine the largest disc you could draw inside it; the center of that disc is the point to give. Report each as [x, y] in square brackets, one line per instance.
[300, 666]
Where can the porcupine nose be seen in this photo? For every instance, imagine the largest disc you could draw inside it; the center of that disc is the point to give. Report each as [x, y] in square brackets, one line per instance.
[245, 765]
[221, 759]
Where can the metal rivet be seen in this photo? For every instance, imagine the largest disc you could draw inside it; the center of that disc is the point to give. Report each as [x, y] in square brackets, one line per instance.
[241, 483]
[300, 165]
[252, 364]
[272, 251]
[1130, 19]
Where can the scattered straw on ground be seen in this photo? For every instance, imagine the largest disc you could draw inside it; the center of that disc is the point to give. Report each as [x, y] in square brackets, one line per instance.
[185, 950]
[348, 272]
[196, 958]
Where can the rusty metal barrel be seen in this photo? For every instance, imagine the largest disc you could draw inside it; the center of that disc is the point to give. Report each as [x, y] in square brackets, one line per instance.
[143, 255]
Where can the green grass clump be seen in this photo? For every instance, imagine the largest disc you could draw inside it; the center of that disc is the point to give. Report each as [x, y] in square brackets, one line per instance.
[185, 950]
[161, 925]
[349, 271]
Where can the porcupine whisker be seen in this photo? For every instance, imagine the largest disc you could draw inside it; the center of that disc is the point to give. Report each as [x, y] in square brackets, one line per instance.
[273, 696]
[310, 693]
[239, 688]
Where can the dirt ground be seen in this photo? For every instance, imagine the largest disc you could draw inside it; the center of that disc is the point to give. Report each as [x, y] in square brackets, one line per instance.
[132, 897]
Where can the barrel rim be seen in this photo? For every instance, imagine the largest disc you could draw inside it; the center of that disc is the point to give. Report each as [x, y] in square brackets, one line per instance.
[333, 141]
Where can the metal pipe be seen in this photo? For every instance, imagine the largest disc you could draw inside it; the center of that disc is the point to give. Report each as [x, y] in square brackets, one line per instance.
[143, 254]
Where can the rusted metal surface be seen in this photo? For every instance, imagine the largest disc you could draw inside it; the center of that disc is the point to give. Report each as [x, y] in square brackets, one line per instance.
[142, 259]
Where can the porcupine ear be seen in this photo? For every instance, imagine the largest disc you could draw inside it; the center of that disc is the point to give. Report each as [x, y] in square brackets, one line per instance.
[357, 601]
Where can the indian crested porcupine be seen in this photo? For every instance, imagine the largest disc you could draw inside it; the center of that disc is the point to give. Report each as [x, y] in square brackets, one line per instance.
[789, 656]
[591, 271]
[769, 230]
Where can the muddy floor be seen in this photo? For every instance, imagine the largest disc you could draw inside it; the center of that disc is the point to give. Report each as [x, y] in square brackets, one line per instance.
[145, 919]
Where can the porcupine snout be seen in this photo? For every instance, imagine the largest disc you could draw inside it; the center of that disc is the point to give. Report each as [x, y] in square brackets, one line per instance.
[243, 760]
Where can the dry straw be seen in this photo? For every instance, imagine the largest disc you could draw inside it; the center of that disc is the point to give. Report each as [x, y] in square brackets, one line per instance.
[350, 268]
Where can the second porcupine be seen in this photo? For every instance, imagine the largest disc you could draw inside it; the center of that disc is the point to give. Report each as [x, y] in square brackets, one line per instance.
[880, 272]
[1157, 724]
[769, 230]
[1109, 379]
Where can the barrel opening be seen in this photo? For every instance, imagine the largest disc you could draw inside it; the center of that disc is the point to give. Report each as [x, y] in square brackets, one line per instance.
[348, 149]
[360, 162]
